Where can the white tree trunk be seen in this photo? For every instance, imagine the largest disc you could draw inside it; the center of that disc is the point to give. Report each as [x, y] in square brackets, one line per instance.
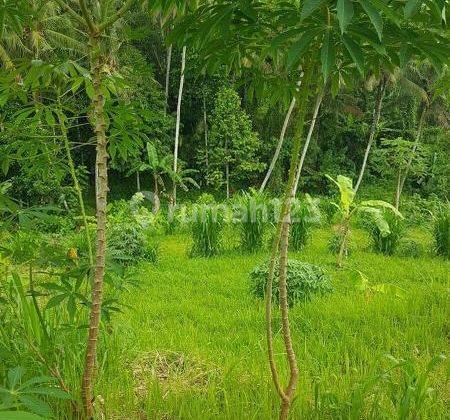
[177, 126]
[373, 130]
[308, 138]
[168, 64]
[279, 145]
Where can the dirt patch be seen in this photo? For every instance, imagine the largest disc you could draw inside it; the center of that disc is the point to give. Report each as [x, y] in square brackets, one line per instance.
[173, 371]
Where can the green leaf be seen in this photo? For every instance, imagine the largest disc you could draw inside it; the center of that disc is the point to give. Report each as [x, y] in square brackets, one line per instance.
[300, 46]
[374, 16]
[355, 52]
[411, 7]
[55, 301]
[344, 13]
[36, 405]
[328, 55]
[309, 6]
[14, 376]
[383, 204]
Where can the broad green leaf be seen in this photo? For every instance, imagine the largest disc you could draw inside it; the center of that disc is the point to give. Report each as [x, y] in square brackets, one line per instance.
[355, 52]
[344, 13]
[309, 6]
[381, 203]
[328, 55]
[411, 7]
[55, 300]
[300, 46]
[374, 16]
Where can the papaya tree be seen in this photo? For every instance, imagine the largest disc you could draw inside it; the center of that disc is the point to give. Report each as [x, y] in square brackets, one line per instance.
[95, 23]
[326, 41]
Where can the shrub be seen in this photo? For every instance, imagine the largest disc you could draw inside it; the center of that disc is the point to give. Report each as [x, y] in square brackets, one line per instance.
[410, 248]
[252, 218]
[206, 224]
[133, 231]
[303, 281]
[382, 242]
[304, 215]
[441, 231]
[327, 208]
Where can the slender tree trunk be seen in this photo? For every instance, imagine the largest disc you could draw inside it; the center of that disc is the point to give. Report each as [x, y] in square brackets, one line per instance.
[168, 65]
[280, 244]
[177, 126]
[99, 126]
[138, 181]
[404, 175]
[205, 122]
[397, 190]
[343, 249]
[308, 137]
[77, 187]
[373, 129]
[279, 145]
[156, 201]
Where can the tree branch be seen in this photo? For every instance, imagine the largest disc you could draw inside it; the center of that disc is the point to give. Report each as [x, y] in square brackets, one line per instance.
[68, 9]
[116, 16]
[87, 18]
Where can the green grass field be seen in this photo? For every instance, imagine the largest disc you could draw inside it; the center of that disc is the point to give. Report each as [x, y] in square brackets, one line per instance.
[191, 344]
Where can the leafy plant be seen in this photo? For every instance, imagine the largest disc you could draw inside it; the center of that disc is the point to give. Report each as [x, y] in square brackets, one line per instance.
[408, 385]
[206, 223]
[18, 394]
[410, 248]
[348, 209]
[304, 280]
[441, 231]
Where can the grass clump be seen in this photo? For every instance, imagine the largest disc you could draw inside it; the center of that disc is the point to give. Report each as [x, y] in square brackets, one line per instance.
[253, 209]
[441, 232]
[386, 243]
[206, 225]
[305, 215]
[303, 281]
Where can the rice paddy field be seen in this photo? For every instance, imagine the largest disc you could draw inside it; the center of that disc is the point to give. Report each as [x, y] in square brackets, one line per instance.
[190, 342]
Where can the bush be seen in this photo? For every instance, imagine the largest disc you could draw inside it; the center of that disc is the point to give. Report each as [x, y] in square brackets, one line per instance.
[304, 215]
[303, 281]
[410, 248]
[206, 224]
[133, 231]
[328, 209]
[386, 244]
[441, 231]
[253, 220]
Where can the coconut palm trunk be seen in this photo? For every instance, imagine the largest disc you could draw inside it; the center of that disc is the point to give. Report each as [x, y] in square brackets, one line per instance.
[404, 174]
[280, 246]
[177, 126]
[373, 129]
[279, 145]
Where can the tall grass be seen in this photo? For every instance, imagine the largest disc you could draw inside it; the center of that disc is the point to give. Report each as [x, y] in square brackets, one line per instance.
[253, 208]
[206, 223]
[305, 215]
[441, 232]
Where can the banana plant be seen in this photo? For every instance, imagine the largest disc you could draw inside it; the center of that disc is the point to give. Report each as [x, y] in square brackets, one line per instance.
[348, 208]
